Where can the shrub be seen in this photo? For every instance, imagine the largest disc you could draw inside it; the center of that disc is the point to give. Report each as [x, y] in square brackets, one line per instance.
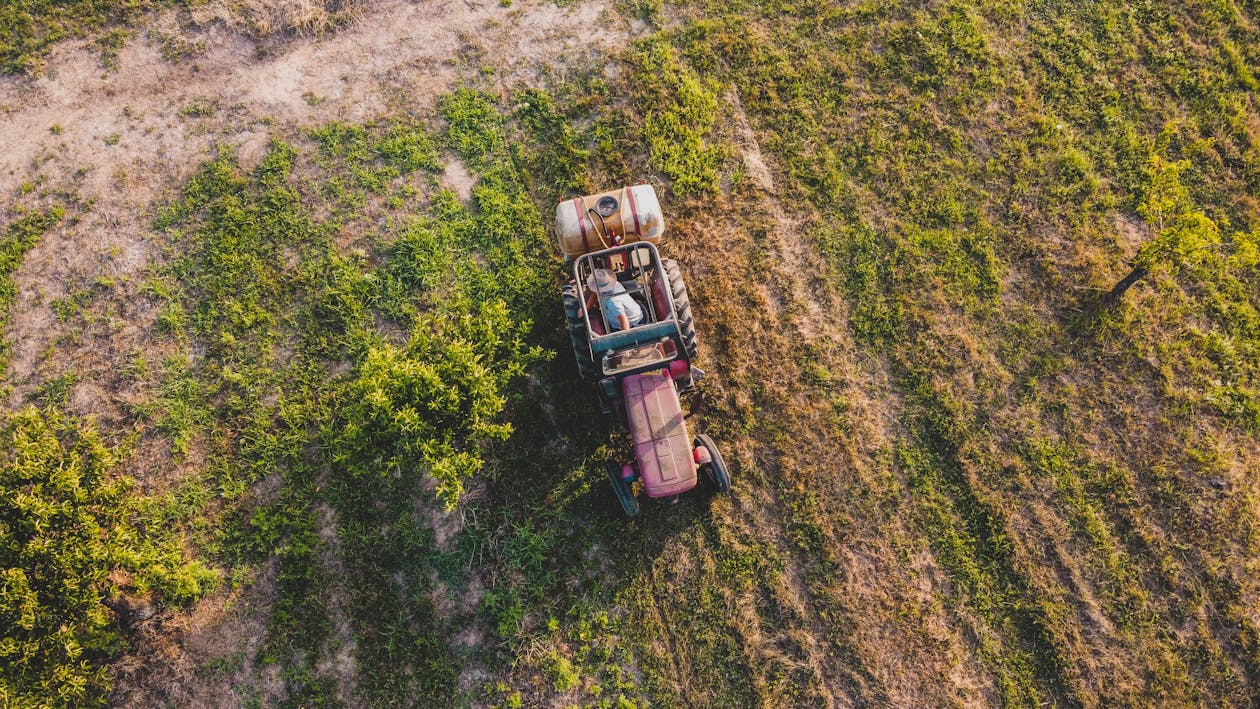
[433, 404]
[71, 539]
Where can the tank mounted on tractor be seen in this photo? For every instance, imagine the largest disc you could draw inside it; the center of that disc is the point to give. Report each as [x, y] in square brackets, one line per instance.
[633, 336]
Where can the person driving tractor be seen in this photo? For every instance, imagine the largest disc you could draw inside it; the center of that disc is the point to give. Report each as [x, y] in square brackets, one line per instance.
[621, 312]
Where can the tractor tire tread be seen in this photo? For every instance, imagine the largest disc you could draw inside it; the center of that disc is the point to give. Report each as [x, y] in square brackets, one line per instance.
[682, 307]
[718, 473]
[578, 337]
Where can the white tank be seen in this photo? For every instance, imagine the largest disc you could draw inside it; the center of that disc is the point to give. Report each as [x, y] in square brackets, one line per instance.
[601, 221]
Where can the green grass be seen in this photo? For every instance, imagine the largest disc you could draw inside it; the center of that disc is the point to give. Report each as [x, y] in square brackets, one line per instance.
[969, 536]
[377, 155]
[680, 113]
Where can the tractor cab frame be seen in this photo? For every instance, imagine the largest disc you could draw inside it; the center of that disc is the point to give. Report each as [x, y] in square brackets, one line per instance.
[656, 342]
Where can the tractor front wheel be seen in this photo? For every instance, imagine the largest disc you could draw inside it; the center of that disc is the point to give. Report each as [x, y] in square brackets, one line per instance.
[621, 489]
[716, 471]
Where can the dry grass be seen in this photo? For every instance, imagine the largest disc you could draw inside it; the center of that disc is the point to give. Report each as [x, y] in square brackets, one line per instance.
[301, 17]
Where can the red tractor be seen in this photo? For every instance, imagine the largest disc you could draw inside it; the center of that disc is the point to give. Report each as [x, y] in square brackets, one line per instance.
[632, 332]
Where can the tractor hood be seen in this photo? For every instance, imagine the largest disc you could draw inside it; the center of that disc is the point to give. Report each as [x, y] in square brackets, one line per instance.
[662, 446]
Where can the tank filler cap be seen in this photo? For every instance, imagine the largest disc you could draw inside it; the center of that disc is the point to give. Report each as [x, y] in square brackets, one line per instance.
[606, 206]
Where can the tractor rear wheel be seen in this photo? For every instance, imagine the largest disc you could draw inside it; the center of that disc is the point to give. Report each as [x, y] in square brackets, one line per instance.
[621, 489]
[716, 471]
[578, 336]
[682, 305]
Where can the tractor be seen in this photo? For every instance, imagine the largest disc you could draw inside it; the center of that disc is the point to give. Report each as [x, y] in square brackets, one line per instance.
[639, 365]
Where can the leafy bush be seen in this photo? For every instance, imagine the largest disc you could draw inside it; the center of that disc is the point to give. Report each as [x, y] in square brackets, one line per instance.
[433, 404]
[1184, 235]
[71, 539]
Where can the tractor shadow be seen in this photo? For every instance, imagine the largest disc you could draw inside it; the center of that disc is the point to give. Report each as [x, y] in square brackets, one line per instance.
[550, 536]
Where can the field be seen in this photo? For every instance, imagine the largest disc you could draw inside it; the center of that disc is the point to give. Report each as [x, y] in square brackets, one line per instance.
[288, 414]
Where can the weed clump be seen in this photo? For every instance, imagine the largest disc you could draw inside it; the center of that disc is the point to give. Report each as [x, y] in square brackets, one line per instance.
[18, 238]
[680, 110]
[28, 28]
[376, 155]
[76, 542]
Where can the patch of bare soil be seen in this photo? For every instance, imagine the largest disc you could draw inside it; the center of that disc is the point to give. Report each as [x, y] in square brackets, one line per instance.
[203, 658]
[750, 147]
[337, 659]
[455, 177]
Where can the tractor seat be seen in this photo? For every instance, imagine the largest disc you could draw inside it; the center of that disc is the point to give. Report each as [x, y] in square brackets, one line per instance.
[636, 291]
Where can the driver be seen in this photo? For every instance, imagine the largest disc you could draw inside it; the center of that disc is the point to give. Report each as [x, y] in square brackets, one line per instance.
[621, 312]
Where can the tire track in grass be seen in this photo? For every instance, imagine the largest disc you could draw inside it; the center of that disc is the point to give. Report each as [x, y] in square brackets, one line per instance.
[798, 614]
[981, 555]
[810, 325]
[814, 319]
